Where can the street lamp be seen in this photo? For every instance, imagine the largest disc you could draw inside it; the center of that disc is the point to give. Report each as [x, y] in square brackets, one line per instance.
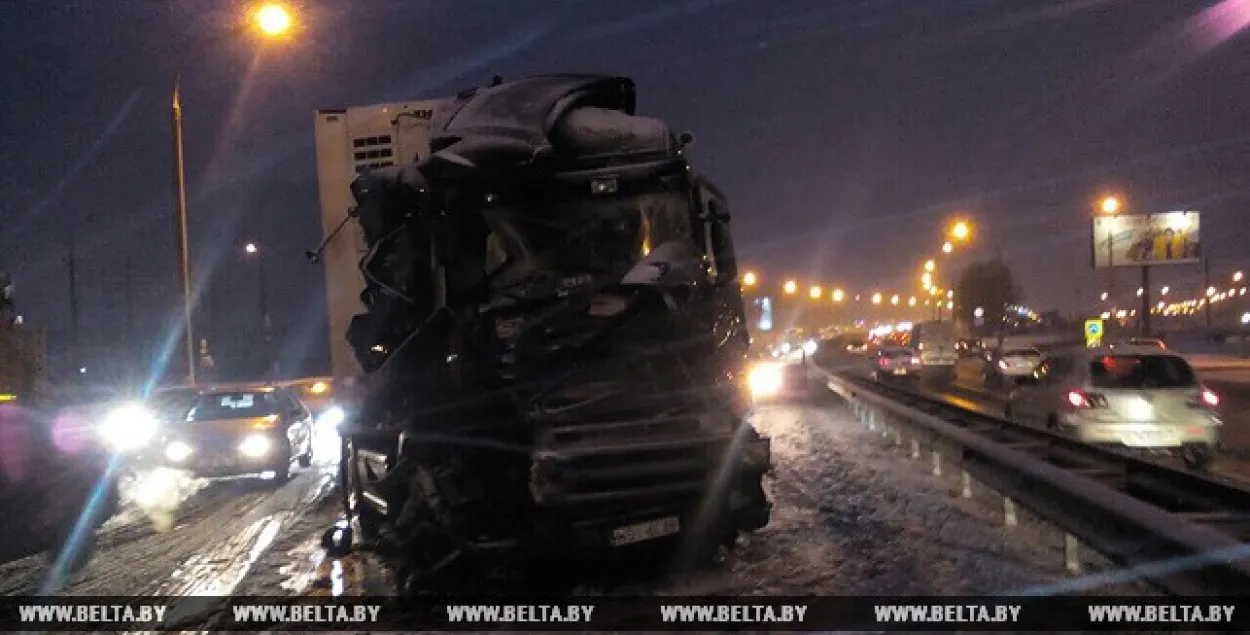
[947, 247]
[838, 295]
[876, 298]
[1237, 276]
[929, 265]
[272, 21]
[961, 230]
[749, 279]
[814, 292]
[790, 287]
[1110, 205]
[894, 300]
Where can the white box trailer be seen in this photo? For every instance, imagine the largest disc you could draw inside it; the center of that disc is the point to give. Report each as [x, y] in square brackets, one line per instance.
[351, 141]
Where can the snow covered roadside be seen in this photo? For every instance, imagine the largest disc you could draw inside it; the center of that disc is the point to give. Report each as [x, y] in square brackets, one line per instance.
[853, 517]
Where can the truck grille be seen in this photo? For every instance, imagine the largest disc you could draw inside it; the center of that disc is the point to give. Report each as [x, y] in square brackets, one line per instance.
[610, 463]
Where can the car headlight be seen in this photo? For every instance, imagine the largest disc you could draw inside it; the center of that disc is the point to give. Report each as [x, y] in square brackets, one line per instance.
[128, 427]
[810, 347]
[765, 380]
[331, 418]
[177, 451]
[254, 446]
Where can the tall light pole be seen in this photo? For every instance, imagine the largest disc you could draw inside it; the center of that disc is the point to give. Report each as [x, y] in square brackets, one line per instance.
[266, 323]
[273, 21]
[1110, 206]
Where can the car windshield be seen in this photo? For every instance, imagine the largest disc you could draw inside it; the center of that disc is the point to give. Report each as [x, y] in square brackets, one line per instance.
[1141, 371]
[233, 405]
[172, 402]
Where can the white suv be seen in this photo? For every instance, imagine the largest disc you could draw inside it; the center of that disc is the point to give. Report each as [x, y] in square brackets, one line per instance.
[1131, 396]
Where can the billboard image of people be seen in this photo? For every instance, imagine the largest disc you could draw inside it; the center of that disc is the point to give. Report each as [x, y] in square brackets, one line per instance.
[1146, 239]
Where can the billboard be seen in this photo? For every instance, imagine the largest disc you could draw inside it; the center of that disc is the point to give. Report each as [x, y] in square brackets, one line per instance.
[1146, 239]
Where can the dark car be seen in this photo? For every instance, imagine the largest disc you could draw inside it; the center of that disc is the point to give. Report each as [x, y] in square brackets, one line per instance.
[241, 431]
[54, 476]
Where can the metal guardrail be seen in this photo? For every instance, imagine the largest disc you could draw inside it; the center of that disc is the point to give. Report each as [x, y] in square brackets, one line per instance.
[1181, 532]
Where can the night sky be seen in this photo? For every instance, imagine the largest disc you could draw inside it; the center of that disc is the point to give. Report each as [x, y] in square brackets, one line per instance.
[846, 133]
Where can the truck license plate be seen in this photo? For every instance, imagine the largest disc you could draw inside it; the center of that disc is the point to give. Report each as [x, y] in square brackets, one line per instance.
[645, 531]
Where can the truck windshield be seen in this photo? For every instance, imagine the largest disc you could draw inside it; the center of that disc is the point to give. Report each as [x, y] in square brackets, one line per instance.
[1141, 371]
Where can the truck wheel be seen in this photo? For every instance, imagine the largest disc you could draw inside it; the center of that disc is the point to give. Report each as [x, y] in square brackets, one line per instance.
[364, 521]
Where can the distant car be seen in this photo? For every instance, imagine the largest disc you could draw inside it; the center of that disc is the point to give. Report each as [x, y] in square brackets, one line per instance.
[935, 345]
[1152, 342]
[1010, 365]
[895, 362]
[240, 431]
[317, 394]
[856, 346]
[773, 381]
[55, 482]
[1135, 397]
[969, 347]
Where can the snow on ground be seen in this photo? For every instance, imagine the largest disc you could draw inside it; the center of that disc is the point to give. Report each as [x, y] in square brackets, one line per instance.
[854, 518]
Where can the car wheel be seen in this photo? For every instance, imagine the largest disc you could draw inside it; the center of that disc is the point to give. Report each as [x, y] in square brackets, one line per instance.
[306, 457]
[1197, 457]
[361, 518]
[282, 471]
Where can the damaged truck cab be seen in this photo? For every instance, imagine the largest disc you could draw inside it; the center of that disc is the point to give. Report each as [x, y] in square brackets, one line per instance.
[554, 345]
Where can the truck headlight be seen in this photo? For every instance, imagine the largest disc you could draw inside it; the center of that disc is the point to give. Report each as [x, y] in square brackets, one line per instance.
[254, 446]
[331, 418]
[128, 427]
[765, 380]
[177, 451]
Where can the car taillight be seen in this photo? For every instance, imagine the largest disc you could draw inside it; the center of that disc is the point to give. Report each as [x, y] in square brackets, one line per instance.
[1078, 399]
[1209, 398]
[915, 360]
[883, 362]
[1004, 364]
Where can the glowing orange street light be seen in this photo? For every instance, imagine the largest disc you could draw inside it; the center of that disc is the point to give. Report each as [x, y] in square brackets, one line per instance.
[1110, 205]
[876, 298]
[961, 230]
[814, 292]
[749, 279]
[273, 20]
[894, 300]
[929, 265]
[838, 295]
[947, 247]
[790, 287]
